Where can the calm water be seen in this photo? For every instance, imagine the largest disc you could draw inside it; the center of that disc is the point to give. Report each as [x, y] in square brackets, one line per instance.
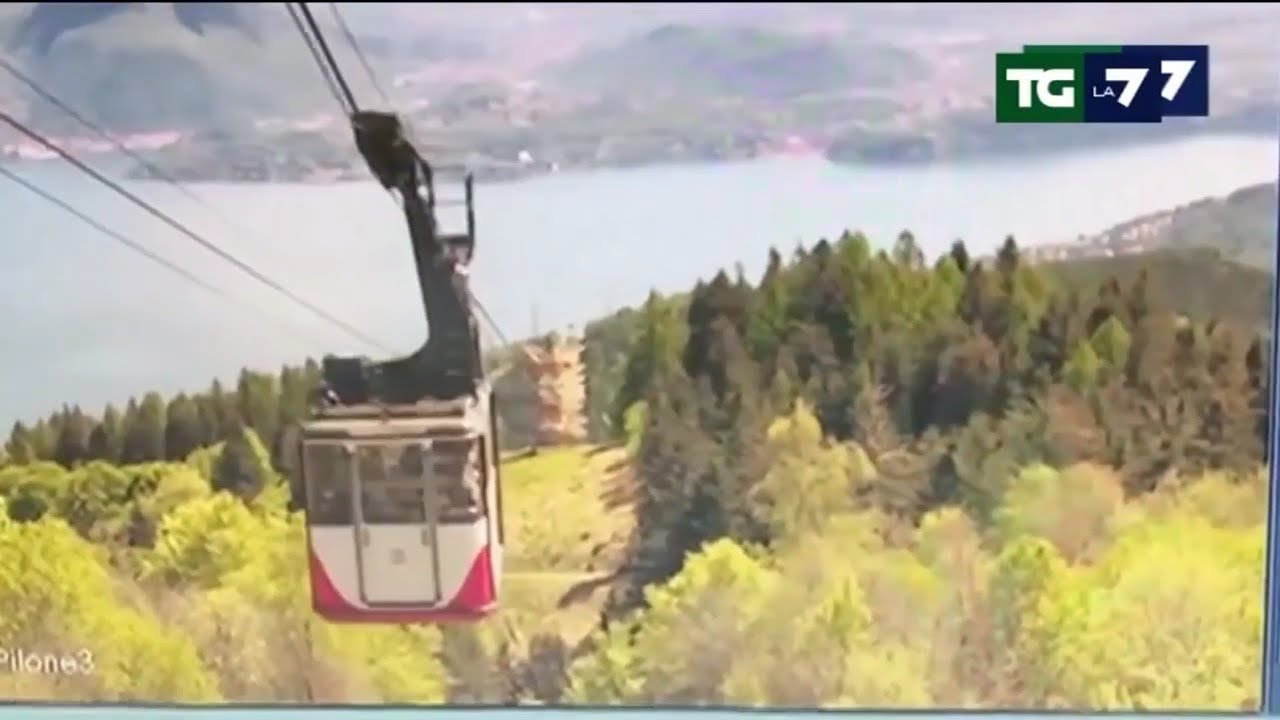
[85, 320]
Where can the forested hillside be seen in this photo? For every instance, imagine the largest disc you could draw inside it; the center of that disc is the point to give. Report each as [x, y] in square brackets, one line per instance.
[147, 67]
[865, 479]
[1198, 282]
[687, 62]
[1241, 225]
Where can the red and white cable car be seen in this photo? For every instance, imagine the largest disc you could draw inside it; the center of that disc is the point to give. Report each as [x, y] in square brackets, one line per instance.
[398, 468]
[404, 512]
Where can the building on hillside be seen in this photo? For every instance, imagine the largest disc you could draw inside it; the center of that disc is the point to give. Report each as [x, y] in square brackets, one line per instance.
[555, 364]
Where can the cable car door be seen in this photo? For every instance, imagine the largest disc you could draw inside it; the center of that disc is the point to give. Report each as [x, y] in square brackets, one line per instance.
[396, 525]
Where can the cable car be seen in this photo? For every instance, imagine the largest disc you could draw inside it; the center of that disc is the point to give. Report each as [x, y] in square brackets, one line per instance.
[397, 470]
[403, 508]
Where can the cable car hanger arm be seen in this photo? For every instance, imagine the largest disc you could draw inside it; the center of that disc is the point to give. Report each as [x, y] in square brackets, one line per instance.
[448, 365]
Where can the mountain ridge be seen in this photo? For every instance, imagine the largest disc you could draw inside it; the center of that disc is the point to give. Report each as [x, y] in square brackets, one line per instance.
[48, 21]
[145, 67]
[679, 59]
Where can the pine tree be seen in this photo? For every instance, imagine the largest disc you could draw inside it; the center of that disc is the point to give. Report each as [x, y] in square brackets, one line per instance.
[106, 438]
[43, 438]
[258, 404]
[237, 470]
[769, 318]
[73, 439]
[183, 432]
[144, 433]
[1009, 258]
[20, 448]
[960, 254]
[654, 354]
[672, 459]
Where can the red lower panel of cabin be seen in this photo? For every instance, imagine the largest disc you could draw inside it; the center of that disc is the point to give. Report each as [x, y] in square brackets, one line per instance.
[476, 598]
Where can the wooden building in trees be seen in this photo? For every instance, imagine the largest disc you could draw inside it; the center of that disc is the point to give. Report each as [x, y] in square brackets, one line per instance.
[555, 365]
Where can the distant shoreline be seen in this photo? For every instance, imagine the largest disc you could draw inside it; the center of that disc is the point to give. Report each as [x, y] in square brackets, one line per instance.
[506, 176]
[971, 139]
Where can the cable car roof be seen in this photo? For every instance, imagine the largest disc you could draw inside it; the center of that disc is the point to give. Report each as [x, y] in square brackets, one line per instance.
[461, 416]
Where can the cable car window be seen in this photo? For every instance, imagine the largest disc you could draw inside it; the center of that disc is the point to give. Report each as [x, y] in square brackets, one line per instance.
[390, 492]
[328, 479]
[457, 465]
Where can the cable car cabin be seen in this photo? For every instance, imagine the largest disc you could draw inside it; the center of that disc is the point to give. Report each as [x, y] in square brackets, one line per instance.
[403, 508]
[397, 469]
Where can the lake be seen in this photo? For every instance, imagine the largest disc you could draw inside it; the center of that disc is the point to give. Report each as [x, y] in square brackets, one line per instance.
[87, 321]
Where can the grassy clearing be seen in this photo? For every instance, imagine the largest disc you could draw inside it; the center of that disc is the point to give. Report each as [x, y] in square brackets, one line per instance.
[568, 515]
[561, 513]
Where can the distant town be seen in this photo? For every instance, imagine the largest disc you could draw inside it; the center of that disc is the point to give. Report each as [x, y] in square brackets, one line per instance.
[1135, 236]
[508, 128]
[140, 142]
[500, 129]
[317, 149]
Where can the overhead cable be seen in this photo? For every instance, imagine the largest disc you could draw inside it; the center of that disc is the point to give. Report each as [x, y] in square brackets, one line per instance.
[186, 231]
[325, 71]
[138, 247]
[355, 47]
